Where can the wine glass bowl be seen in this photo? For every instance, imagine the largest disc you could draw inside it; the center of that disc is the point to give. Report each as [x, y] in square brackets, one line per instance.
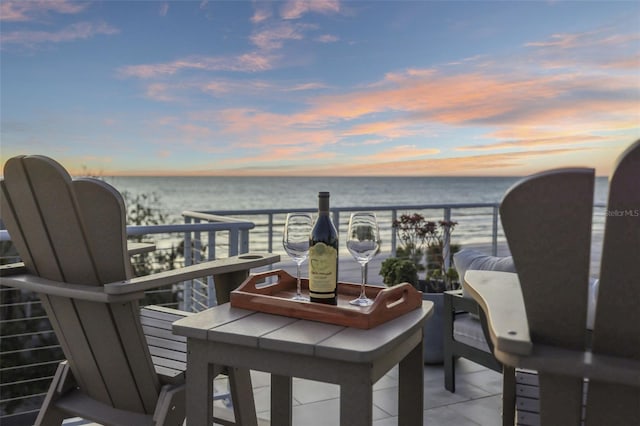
[363, 242]
[295, 240]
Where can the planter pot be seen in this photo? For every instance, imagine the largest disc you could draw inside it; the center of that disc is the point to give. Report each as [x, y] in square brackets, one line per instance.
[434, 330]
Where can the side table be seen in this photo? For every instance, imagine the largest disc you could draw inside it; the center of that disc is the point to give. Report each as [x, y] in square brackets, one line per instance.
[288, 347]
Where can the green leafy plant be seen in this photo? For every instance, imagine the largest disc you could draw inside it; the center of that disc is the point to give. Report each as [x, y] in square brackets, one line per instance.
[395, 270]
[422, 244]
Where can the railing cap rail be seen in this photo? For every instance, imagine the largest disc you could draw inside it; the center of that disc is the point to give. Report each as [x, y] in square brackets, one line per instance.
[173, 228]
[212, 217]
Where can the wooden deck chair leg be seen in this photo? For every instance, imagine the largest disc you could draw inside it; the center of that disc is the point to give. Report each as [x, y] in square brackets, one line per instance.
[171, 407]
[62, 382]
[508, 395]
[244, 407]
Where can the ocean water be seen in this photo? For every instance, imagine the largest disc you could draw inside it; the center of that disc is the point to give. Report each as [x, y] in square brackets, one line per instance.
[251, 193]
[177, 194]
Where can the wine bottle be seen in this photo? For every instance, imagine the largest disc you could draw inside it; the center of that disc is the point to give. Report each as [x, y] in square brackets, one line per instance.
[323, 256]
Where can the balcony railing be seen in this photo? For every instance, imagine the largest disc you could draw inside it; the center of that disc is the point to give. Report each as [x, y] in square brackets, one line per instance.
[28, 349]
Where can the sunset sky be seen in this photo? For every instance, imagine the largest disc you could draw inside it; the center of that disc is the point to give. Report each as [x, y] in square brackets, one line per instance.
[320, 87]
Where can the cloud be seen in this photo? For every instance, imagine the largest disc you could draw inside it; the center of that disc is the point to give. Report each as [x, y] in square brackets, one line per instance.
[261, 13]
[503, 164]
[294, 9]
[77, 31]
[187, 89]
[391, 129]
[327, 38]
[22, 11]
[306, 86]
[402, 152]
[601, 48]
[164, 9]
[272, 37]
[247, 62]
[160, 92]
[501, 103]
[553, 140]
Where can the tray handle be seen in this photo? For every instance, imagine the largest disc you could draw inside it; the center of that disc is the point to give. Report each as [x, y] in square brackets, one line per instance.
[251, 284]
[397, 298]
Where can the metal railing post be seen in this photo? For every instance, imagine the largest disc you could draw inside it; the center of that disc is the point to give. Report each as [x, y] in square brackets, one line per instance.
[270, 234]
[446, 236]
[187, 292]
[394, 242]
[233, 242]
[211, 255]
[494, 230]
[244, 241]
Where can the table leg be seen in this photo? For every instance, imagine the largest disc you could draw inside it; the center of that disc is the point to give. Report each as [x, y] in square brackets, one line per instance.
[199, 394]
[244, 407]
[411, 388]
[356, 398]
[281, 396]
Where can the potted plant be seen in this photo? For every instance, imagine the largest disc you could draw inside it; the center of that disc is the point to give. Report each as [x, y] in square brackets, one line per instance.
[424, 240]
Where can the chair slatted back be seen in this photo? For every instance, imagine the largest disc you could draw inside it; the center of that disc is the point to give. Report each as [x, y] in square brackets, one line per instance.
[74, 231]
[547, 221]
[617, 325]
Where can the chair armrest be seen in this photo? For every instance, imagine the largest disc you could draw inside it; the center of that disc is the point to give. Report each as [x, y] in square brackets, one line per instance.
[243, 262]
[500, 297]
[135, 287]
[91, 293]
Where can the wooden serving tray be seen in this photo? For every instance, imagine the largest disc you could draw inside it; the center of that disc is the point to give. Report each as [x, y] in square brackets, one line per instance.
[389, 303]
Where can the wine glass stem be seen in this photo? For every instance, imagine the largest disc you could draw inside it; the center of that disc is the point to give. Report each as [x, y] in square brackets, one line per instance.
[363, 294]
[298, 291]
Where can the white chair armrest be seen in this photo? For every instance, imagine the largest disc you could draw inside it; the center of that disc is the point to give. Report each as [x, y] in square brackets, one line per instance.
[500, 297]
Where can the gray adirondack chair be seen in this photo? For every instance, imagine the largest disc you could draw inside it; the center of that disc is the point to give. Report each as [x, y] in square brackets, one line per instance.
[71, 236]
[537, 318]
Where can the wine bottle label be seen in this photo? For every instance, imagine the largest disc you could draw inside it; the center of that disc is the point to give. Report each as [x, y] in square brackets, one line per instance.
[322, 270]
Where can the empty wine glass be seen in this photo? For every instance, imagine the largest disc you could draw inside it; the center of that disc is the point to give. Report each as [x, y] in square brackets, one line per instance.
[296, 243]
[363, 242]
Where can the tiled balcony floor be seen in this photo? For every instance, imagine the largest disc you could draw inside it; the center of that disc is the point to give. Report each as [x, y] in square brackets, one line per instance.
[477, 400]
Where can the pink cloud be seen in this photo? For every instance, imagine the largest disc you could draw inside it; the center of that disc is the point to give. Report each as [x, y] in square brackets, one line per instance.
[499, 164]
[294, 9]
[388, 129]
[261, 13]
[22, 10]
[540, 117]
[402, 152]
[306, 86]
[273, 37]
[553, 140]
[78, 31]
[247, 62]
[160, 92]
[327, 38]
